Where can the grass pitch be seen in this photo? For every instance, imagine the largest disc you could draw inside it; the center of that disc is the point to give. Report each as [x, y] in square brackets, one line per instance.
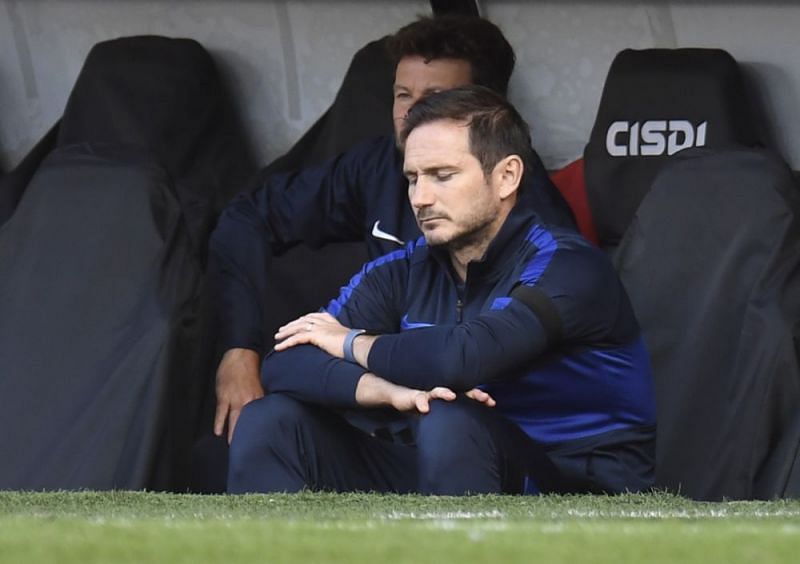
[314, 527]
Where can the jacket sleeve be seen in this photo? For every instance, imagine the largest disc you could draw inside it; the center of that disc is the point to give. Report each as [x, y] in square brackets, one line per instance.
[491, 347]
[577, 301]
[370, 302]
[317, 205]
[374, 297]
[311, 375]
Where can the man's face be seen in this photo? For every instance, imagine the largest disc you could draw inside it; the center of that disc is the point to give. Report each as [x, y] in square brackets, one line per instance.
[454, 203]
[415, 78]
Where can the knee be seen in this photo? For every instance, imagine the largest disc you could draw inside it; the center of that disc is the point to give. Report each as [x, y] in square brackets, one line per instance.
[263, 426]
[447, 433]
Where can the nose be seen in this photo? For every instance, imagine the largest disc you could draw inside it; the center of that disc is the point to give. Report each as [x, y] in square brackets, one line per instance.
[421, 194]
[402, 108]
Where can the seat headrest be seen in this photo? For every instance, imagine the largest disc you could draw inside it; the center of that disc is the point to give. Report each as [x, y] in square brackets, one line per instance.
[656, 103]
[154, 92]
[164, 97]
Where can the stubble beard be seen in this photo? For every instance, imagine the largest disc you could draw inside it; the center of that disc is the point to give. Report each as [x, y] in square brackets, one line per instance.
[476, 233]
[477, 236]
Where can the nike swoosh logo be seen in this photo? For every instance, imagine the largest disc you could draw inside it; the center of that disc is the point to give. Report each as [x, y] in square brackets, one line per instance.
[378, 233]
[405, 324]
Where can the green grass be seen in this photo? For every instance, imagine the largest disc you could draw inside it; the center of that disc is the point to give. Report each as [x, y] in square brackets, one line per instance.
[149, 527]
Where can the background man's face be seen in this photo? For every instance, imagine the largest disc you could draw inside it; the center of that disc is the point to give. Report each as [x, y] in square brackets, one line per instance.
[414, 78]
[454, 203]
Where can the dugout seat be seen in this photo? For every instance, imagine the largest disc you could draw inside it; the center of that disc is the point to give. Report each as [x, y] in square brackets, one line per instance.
[14, 182]
[101, 316]
[702, 225]
[655, 104]
[711, 262]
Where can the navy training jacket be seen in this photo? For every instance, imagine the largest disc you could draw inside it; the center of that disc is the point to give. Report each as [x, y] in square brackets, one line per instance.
[542, 323]
[360, 195]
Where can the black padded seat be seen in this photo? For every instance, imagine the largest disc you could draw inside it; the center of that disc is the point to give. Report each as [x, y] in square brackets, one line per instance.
[100, 299]
[655, 104]
[711, 262]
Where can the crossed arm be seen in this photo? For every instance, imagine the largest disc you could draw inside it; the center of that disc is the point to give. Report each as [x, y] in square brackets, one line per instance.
[327, 335]
[325, 332]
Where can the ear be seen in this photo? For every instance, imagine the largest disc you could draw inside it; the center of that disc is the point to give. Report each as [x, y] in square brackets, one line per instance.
[507, 175]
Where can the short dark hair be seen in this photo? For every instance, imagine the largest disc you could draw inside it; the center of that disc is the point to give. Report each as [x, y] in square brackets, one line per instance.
[469, 38]
[496, 130]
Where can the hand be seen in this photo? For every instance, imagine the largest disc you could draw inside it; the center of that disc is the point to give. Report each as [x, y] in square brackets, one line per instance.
[480, 396]
[407, 399]
[374, 391]
[319, 329]
[417, 400]
[238, 383]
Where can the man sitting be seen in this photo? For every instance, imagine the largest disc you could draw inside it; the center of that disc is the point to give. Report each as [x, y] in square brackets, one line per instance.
[514, 341]
[360, 195]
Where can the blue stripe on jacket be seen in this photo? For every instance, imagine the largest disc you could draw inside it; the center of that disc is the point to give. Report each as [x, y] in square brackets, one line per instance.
[547, 246]
[335, 306]
[579, 394]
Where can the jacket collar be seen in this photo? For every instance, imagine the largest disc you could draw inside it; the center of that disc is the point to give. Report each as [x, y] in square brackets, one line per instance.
[501, 250]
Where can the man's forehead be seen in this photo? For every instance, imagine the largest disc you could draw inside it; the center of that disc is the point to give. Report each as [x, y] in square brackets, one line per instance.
[415, 71]
[437, 143]
[444, 129]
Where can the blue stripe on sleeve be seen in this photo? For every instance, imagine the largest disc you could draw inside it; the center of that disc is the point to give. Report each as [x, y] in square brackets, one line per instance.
[547, 247]
[500, 303]
[335, 306]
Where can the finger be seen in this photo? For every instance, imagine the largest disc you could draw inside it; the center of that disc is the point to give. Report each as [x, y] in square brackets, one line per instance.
[294, 340]
[219, 417]
[233, 418]
[421, 402]
[442, 393]
[302, 321]
[481, 396]
[299, 321]
[283, 335]
[476, 394]
[297, 326]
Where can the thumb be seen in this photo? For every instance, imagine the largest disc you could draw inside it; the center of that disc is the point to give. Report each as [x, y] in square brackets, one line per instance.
[421, 402]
